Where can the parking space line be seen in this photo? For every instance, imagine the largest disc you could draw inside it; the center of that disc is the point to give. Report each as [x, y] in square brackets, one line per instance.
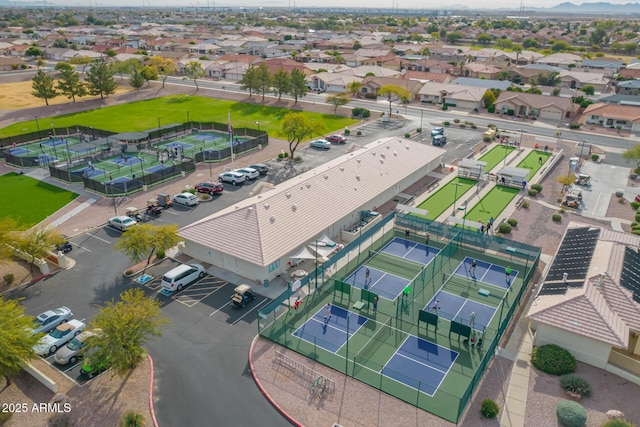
[68, 369]
[63, 373]
[171, 212]
[100, 238]
[220, 309]
[257, 305]
[81, 247]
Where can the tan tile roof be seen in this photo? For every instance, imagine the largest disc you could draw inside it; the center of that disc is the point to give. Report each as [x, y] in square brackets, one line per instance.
[273, 224]
[626, 112]
[534, 100]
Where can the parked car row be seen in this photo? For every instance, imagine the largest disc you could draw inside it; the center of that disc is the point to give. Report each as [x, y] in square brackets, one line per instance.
[238, 176]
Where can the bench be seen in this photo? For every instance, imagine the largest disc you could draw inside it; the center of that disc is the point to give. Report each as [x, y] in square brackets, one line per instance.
[359, 305]
[484, 292]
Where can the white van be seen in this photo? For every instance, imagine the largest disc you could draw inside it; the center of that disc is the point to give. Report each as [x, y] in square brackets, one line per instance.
[181, 276]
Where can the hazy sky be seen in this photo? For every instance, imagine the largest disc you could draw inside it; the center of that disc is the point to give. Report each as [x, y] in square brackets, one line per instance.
[410, 4]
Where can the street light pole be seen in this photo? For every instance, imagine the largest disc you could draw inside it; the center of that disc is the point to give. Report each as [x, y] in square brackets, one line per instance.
[258, 123]
[159, 131]
[455, 196]
[38, 126]
[315, 273]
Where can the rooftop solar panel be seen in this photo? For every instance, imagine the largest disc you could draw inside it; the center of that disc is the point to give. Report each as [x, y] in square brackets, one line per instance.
[630, 275]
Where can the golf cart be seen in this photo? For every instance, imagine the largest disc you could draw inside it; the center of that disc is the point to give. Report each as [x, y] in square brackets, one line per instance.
[164, 200]
[242, 296]
[584, 180]
[573, 198]
[153, 207]
[133, 213]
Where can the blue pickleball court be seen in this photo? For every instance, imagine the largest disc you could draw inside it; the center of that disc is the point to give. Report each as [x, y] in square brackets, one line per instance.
[420, 364]
[385, 285]
[332, 333]
[454, 307]
[486, 272]
[410, 250]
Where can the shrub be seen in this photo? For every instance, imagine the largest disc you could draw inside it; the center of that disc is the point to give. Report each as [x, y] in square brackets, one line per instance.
[191, 190]
[366, 113]
[8, 278]
[347, 132]
[622, 200]
[357, 111]
[634, 224]
[4, 417]
[533, 192]
[462, 126]
[537, 187]
[456, 121]
[298, 158]
[60, 419]
[371, 96]
[635, 206]
[132, 419]
[504, 228]
[473, 126]
[553, 359]
[576, 384]
[160, 253]
[513, 222]
[205, 196]
[128, 272]
[445, 107]
[489, 408]
[637, 218]
[571, 414]
[407, 135]
[359, 133]
[525, 204]
[447, 123]
[574, 125]
[281, 155]
[491, 109]
[618, 423]
[635, 231]
[492, 125]
[419, 130]
[595, 157]
[619, 193]
[486, 138]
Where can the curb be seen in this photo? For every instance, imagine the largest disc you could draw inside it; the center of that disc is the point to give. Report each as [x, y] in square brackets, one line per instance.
[33, 281]
[153, 413]
[264, 391]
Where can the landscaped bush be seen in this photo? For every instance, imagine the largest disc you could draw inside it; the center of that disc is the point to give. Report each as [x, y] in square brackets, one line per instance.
[489, 408]
[445, 107]
[637, 217]
[553, 359]
[622, 200]
[537, 187]
[283, 154]
[456, 121]
[504, 228]
[462, 126]
[8, 278]
[371, 96]
[128, 272]
[576, 384]
[512, 222]
[357, 111]
[491, 109]
[347, 132]
[486, 138]
[618, 423]
[132, 419]
[191, 190]
[533, 192]
[525, 204]
[160, 254]
[419, 130]
[205, 196]
[407, 135]
[595, 157]
[635, 206]
[447, 123]
[473, 126]
[359, 133]
[574, 125]
[366, 113]
[635, 231]
[298, 158]
[571, 414]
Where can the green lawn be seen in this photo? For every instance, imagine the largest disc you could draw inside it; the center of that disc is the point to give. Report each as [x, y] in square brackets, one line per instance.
[532, 162]
[495, 156]
[30, 201]
[492, 204]
[439, 201]
[143, 115]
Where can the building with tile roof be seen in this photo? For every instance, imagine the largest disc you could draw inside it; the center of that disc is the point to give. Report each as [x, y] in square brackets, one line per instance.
[613, 115]
[256, 237]
[589, 300]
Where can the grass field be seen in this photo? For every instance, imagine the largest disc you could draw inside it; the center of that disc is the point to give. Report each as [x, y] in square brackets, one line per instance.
[443, 198]
[144, 115]
[492, 204]
[495, 156]
[532, 161]
[30, 201]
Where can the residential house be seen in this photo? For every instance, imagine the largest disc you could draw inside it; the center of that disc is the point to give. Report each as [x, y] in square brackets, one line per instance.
[8, 63]
[425, 76]
[621, 99]
[483, 83]
[371, 84]
[332, 82]
[628, 87]
[534, 105]
[630, 73]
[528, 73]
[589, 300]
[613, 116]
[430, 65]
[463, 97]
[608, 68]
[576, 80]
[480, 71]
[562, 60]
[447, 54]
[286, 64]
[378, 71]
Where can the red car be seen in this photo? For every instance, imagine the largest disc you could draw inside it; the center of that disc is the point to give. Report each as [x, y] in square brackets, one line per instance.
[336, 139]
[210, 188]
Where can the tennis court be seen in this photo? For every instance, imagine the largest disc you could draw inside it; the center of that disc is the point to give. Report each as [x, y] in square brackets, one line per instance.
[487, 273]
[331, 332]
[54, 148]
[420, 364]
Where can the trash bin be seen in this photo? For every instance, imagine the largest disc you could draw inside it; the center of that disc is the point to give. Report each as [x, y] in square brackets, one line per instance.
[266, 283]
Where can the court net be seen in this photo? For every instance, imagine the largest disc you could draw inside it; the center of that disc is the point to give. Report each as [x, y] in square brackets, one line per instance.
[473, 290]
[377, 339]
[394, 265]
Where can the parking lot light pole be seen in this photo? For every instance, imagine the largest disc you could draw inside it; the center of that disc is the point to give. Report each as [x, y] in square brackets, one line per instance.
[38, 126]
[159, 131]
[258, 123]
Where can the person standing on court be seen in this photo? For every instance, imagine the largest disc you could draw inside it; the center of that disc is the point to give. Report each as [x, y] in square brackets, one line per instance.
[473, 268]
[327, 312]
[472, 319]
[406, 233]
[436, 306]
[375, 305]
[367, 276]
[507, 272]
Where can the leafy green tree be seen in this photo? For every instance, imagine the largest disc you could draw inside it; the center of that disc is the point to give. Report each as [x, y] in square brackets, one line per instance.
[263, 78]
[42, 85]
[149, 73]
[338, 100]
[633, 155]
[504, 75]
[504, 44]
[144, 240]
[546, 79]
[8, 237]
[616, 46]
[33, 51]
[297, 127]
[598, 35]
[194, 71]
[100, 80]
[588, 89]
[126, 326]
[530, 43]
[165, 67]
[16, 338]
[249, 80]
[534, 89]
[561, 46]
[484, 39]
[69, 83]
[38, 242]
[394, 93]
[298, 85]
[125, 67]
[630, 47]
[83, 61]
[60, 43]
[454, 36]
[136, 79]
[281, 82]
[488, 99]
[354, 87]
